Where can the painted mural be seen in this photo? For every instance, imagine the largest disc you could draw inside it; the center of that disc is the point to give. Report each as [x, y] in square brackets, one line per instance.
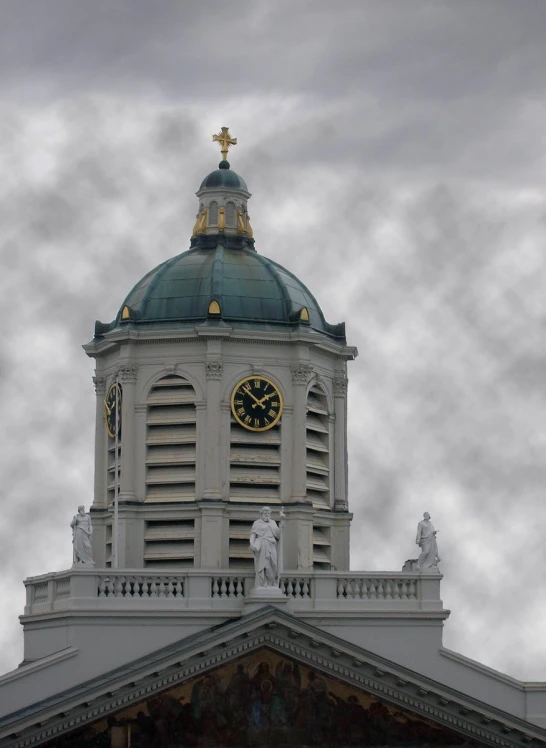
[263, 700]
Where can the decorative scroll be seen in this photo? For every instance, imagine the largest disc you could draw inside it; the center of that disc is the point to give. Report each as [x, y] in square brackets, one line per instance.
[100, 385]
[301, 373]
[128, 373]
[340, 385]
[214, 369]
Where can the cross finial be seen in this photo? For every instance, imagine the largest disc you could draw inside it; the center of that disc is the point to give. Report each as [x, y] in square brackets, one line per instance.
[225, 140]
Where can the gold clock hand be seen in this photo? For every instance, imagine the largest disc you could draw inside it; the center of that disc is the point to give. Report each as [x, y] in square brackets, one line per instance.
[258, 402]
[108, 410]
[266, 397]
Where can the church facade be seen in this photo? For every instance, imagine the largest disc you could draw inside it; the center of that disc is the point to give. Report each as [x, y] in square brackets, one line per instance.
[221, 389]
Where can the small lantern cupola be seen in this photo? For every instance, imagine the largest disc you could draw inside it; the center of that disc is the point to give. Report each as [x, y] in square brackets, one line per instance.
[223, 197]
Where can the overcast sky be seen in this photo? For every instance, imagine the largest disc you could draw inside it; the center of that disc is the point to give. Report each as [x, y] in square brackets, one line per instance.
[395, 150]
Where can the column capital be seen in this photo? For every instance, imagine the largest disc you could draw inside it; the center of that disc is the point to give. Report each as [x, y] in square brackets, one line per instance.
[214, 369]
[128, 373]
[100, 385]
[340, 386]
[301, 373]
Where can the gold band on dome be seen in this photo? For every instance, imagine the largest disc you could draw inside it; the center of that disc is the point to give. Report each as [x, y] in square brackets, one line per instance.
[225, 140]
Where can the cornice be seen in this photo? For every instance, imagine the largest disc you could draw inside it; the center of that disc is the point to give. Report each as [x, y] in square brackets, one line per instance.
[281, 632]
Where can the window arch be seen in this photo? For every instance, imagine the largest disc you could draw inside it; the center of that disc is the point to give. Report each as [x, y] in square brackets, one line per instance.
[231, 215]
[171, 432]
[213, 213]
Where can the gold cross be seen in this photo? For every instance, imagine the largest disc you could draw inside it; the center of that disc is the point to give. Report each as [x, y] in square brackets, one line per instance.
[225, 140]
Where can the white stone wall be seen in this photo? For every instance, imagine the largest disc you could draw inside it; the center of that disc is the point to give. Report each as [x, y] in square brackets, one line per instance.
[213, 360]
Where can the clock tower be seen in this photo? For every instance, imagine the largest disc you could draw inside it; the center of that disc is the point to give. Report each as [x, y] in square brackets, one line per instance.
[220, 388]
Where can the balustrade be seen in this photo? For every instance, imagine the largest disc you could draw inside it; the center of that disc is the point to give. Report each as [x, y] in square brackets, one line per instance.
[306, 591]
[376, 588]
[228, 587]
[298, 587]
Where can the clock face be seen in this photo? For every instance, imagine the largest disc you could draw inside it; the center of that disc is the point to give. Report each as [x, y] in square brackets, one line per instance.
[256, 403]
[110, 405]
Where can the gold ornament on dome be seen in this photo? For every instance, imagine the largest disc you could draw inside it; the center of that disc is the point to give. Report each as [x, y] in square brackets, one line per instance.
[225, 140]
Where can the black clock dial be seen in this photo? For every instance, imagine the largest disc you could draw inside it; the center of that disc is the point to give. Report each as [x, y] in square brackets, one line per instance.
[256, 403]
[111, 405]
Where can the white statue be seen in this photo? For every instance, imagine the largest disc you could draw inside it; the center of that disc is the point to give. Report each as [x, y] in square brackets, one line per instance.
[264, 539]
[81, 537]
[426, 540]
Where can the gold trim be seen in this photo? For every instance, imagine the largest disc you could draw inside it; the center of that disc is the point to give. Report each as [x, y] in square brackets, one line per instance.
[108, 410]
[202, 227]
[195, 229]
[214, 307]
[126, 313]
[225, 140]
[221, 218]
[277, 390]
[304, 314]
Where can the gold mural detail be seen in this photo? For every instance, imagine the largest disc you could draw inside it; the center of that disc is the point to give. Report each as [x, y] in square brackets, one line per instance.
[263, 700]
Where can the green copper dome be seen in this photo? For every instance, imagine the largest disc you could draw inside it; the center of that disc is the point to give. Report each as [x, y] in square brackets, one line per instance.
[223, 177]
[250, 291]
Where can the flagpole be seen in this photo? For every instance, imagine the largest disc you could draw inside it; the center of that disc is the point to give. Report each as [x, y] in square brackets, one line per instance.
[115, 539]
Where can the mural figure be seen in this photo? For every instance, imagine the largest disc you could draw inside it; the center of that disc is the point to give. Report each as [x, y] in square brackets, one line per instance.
[426, 540]
[264, 537]
[264, 701]
[81, 537]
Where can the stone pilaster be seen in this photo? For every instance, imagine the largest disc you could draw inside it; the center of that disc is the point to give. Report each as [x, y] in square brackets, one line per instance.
[101, 443]
[127, 376]
[301, 374]
[340, 384]
[213, 478]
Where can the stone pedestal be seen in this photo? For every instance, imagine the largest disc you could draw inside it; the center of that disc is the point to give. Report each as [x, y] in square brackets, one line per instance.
[258, 597]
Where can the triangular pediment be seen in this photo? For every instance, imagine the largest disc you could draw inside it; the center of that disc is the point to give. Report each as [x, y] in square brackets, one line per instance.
[266, 679]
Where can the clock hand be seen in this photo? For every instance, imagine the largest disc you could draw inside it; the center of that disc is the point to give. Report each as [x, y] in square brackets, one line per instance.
[258, 402]
[266, 397]
[108, 410]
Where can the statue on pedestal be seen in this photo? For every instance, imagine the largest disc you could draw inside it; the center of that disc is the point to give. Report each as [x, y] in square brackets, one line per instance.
[265, 538]
[81, 537]
[426, 540]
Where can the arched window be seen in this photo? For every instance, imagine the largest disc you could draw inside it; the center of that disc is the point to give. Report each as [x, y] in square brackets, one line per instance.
[318, 471]
[231, 215]
[213, 213]
[170, 470]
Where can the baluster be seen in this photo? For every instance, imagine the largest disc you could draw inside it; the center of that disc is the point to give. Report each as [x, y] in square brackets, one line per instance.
[411, 590]
[305, 591]
[340, 589]
[154, 587]
[395, 586]
[179, 588]
[118, 588]
[373, 586]
[215, 588]
[170, 585]
[380, 589]
[358, 588]
[102, 587]
[364, 593]
[388, 590]
[403, 590]
[223, 588]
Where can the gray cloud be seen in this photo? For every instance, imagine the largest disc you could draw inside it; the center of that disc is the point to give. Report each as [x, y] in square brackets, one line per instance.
[402, 150]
